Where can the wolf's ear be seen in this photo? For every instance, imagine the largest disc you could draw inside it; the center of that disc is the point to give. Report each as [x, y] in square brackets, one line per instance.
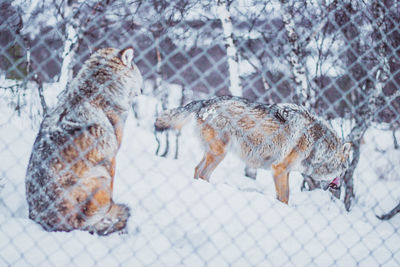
[127, 56]
[346, 149]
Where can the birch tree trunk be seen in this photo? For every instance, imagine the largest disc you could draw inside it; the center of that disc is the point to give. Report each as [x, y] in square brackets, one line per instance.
[223, 10]
[71, 37]
[296, 55]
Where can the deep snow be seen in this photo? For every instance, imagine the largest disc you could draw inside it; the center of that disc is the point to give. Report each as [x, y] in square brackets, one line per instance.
[179, 221]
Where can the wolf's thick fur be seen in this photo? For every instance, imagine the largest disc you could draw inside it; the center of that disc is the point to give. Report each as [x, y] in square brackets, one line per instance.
[69, 180]
[285, 137]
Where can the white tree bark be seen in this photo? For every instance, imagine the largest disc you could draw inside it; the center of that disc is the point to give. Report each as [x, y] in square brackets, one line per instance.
[295, 56]
[71, 37]
[231, 51]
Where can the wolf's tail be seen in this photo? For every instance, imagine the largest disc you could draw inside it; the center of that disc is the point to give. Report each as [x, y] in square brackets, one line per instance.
[176, 118]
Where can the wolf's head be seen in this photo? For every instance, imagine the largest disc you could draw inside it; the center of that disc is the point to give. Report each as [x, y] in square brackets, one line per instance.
[328, 158]
[109, 74]
[118, 67]
[132, 77]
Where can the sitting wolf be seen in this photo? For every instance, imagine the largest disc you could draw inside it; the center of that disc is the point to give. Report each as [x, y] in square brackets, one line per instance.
[285, 137]
[69, 180]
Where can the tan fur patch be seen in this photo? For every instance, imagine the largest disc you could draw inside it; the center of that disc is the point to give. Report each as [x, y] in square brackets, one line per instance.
[113, 117]
[102, 197]
[119, 131]
[80, 168]
[207, 165]
[316, 131]
[292, 157]
[287, 162]
[69, 154]
[83, 142]
[78, 194]
[208, 133]
[256, 138]
[281, 176]
[279, 169]
[210, 158]
[99, 102]
[116, 121]
[279, 138]
[245, 149]
[281, 180]
[269, 126]
[178, 126]
[94, 156]
[221, 122]
[303, 143]
[257, 114]
[112, 173]
[235, 109]
[217, 147]
[68, 179]
[246, 123]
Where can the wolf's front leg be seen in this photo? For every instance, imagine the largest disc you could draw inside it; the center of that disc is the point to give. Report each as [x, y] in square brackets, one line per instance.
[281, 180]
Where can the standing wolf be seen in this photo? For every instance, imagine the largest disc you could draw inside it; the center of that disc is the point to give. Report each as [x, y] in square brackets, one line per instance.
[285, 137]
[69, 181]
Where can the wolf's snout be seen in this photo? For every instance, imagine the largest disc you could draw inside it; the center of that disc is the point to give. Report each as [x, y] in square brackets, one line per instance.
[335, 184]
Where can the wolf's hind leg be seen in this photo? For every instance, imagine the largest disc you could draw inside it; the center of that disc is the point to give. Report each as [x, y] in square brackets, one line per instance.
[199, 168]
[207, 165]
[215, 153]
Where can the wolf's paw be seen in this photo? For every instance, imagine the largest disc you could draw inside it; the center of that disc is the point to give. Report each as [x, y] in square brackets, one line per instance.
[123, 232]
[115, 220]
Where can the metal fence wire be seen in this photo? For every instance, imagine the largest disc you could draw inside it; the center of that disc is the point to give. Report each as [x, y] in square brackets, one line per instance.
[311, 84]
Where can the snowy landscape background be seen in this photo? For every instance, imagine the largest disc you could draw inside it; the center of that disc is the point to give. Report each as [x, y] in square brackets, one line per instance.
[341, 59]
[179, 221]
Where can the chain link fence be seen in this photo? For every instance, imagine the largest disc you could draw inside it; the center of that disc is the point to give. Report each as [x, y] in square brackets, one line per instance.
[338, 59]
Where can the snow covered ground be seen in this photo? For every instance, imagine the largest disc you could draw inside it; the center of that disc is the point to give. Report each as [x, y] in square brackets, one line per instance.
[231, 221]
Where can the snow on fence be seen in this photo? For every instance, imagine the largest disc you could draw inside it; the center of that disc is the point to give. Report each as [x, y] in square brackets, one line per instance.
[338, 59]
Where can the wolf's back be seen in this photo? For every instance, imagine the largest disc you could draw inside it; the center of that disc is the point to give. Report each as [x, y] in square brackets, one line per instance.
[176, 118]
